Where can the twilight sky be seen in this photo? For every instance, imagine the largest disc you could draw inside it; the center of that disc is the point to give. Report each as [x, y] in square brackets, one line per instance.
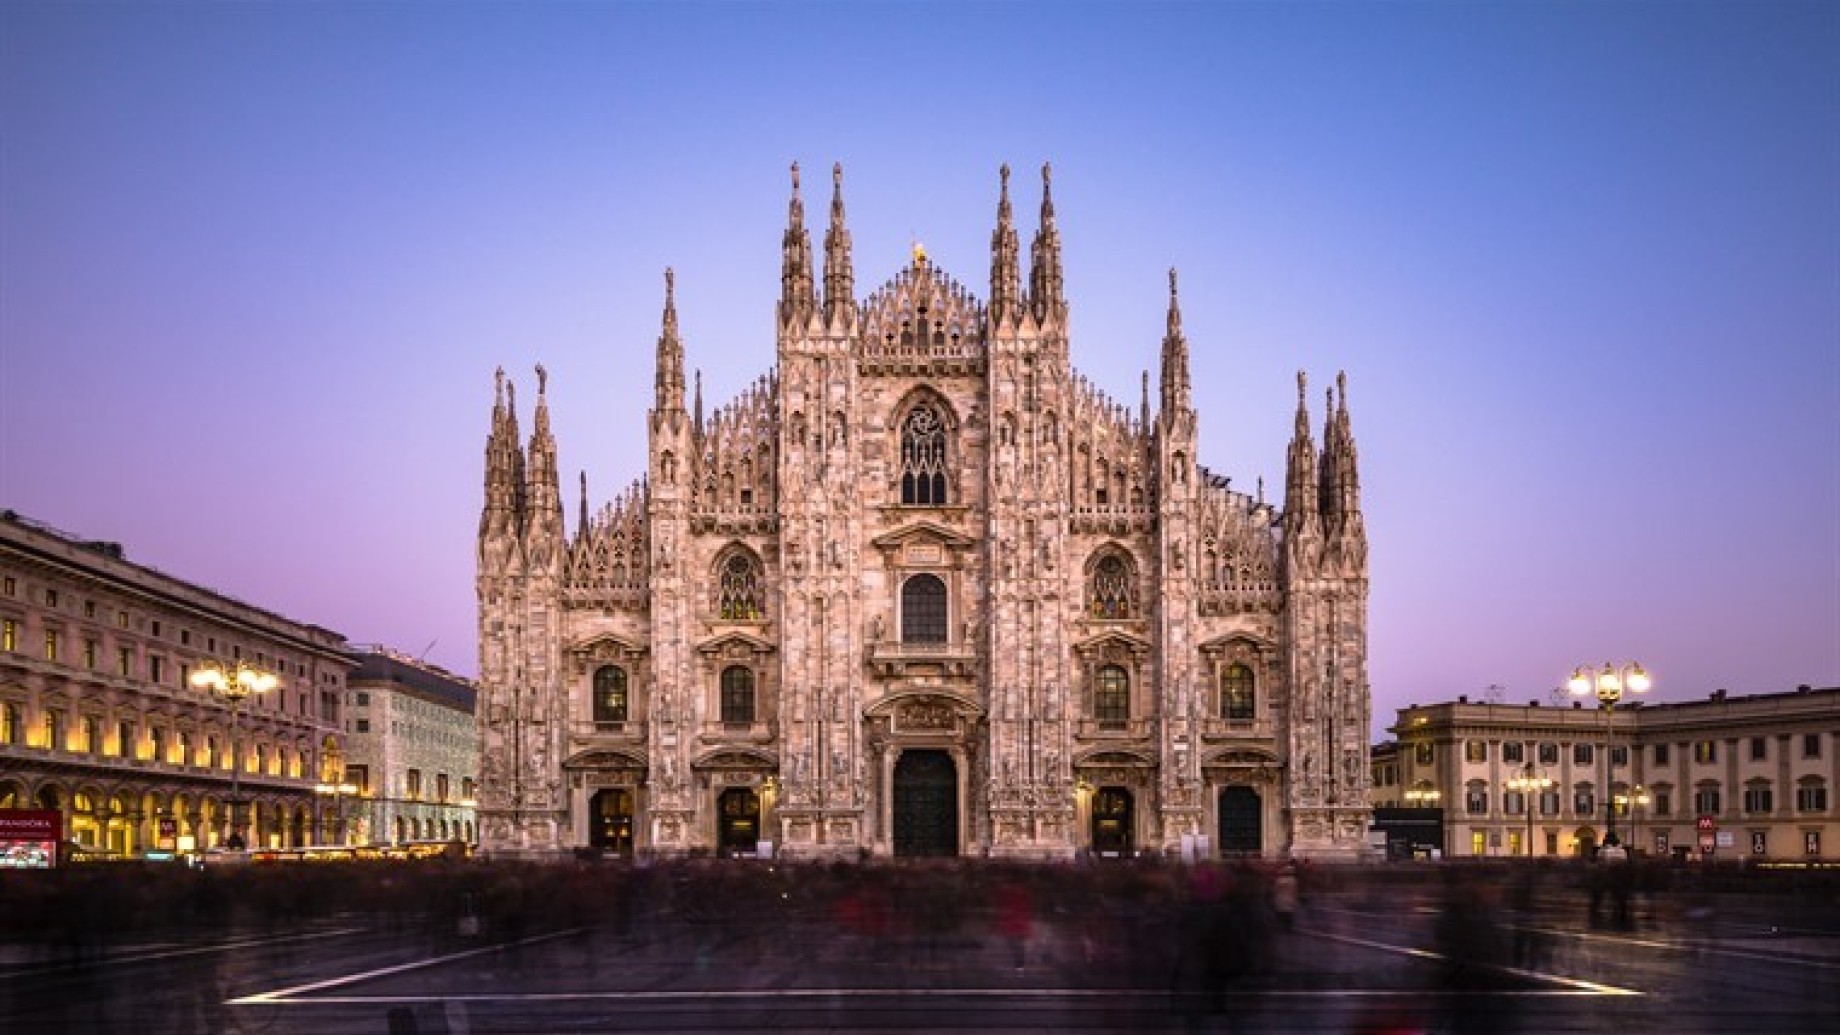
[1580, 262]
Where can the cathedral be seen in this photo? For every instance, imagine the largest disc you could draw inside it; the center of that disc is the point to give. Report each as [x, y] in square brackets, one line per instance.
[923, 590]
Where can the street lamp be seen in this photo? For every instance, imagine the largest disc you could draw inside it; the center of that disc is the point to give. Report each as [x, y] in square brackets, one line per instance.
[338, 792]
[1609, 686]
[1635, 798]
[1530, 784]
[234, 684]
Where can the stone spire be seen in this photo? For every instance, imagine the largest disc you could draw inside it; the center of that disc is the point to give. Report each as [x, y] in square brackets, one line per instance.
[1300, 488]
[503, 487]
[1005, 273]
[581, 527]
[1341, 484]
[670, 380]
[1045, 257]
[1176, 398]
[795, 292]
[839, 281]
[543, 496]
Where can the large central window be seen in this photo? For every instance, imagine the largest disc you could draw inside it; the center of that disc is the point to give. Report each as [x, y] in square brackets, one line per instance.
[923, 610]
[737, 694]
[923, 458]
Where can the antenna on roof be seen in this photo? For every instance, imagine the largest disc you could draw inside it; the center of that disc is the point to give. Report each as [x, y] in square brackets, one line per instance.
[1492, 693]
[423, 656]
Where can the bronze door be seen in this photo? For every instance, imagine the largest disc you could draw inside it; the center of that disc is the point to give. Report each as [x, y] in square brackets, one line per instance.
[737, 822]
[612, 824]
[925, 804]
[1241, 828]
[1113, 818]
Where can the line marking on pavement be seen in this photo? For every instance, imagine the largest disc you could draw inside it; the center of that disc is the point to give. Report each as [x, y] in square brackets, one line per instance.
[282, 994]
[63, 966]
[1578, 985]
[932, 994]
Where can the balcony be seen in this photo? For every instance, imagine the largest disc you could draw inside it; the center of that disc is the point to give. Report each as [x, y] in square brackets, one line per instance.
[739, 732]
[1113, 729]
[1237, 729]
[891, 658]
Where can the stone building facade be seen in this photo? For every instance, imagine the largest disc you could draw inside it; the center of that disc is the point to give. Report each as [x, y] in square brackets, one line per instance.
[412, 753]
[1755, 775]
[923, 590]
[99, 718]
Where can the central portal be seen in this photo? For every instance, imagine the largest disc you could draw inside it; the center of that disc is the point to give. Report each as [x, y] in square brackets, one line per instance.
[925, 804]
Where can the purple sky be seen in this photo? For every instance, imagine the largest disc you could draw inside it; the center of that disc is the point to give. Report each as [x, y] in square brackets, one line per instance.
[1580, 262]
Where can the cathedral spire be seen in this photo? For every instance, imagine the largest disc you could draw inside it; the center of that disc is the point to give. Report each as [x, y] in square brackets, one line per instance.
[1045, 257]
[1176, 398]
[1341, 485]
[1005, 274]
[697, 410]
[839, 281]
[581, 527]
[795, 297]
[502, 475]
[670, 381]
[542, 493]
[1300, 488]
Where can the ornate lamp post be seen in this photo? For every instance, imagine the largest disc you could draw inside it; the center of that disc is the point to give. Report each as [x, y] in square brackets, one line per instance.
[235, 685]
[1609, 686]
[1530, 784]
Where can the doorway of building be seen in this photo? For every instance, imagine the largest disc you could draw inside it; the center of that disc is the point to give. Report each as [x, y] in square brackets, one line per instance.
[925, 804]
[737, 822]
[1241, 831]
[611, 823]
[1113, 819]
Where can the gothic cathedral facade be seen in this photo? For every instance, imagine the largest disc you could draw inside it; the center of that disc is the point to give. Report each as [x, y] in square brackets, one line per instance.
[923, 590]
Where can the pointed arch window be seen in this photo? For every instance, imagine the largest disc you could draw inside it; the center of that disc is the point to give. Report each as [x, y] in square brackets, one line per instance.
[738, 598]
[1112, 696]
[923, 458]
[737, 694]
[610, 700]
[1237, 693]
[923, 610]
[1109, 593]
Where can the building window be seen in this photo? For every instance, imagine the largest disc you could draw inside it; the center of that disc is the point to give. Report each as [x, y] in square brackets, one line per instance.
[1112, 696]
[923, 610]
[415, 785]
[1109, 591]
[923, 458]
[156, 669]
[739, 593]
[1619, 755]
[51, 645]
[1476, 798]
[1549, 754]
[1549, 803]
[9, 723]
[11, 587]
[363, 725]
[1423, 754]
[124, 661]
[1514, 803]
[121, 619]
[1475, 751]
[1705, 751]
[1759, 750]
[737, 694]
[9, 635]
[89, 654]
[1584, 800]
[1583, 754]
[54, 731]
[440, 787]
[364, 699]
[1661, 754]
[1811, 745]
[1758, 797]
[1513, 751]
[610, 694]
[124, 739]
[1236, 692]
[1664, 801]
[1811, 796]
[51, 598]
[92, 736]
[156, 744]
[1706, 798]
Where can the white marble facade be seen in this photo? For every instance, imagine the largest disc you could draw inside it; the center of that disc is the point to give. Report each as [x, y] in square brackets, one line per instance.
[922, 589]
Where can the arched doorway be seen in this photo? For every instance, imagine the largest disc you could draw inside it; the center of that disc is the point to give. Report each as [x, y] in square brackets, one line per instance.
[737, 822]
[1114, 817]
[611, 826]
[925, 804]
[1241, 825]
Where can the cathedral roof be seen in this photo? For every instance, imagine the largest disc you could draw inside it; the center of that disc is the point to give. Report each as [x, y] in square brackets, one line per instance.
[923, 311]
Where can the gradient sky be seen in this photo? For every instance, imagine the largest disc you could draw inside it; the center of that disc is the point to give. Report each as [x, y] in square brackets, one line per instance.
[1580, 262]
